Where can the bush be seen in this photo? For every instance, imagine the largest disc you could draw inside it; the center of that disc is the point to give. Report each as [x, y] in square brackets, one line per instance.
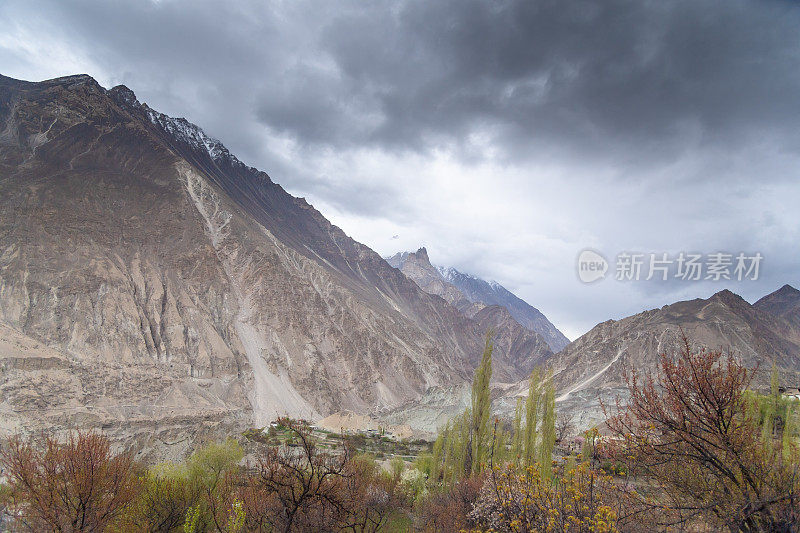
[449, 510]
[520, 499]
[163, 504]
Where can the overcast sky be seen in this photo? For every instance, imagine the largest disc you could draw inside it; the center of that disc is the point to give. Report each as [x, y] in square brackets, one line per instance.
[504, 136]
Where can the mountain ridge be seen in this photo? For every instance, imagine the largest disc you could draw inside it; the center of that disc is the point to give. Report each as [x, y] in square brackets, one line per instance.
[593, 367]
[479, 291]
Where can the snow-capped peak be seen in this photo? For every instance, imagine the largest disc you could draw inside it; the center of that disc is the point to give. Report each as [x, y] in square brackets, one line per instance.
[450, 274]
[179, 128]
[183, 130]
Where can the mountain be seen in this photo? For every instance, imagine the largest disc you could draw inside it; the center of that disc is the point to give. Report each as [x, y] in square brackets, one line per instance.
[417, 266]
[785, 303]
[175, 288]
[517, 350]
[461, 290]
[593, 366]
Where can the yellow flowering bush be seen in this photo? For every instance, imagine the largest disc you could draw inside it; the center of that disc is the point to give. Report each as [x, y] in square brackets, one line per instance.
[516, 499]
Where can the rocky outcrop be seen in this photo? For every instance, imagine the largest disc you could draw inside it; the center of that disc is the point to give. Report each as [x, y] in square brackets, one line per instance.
[724, 321]
[477, 290]
[417, 266]
[784, 303]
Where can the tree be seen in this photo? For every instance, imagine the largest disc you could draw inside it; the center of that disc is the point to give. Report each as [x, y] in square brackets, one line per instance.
[194, 496]
[481, 408]
[462, 447]
[532, 406]
[209, 472]
[77, 485]
[373, 494]
[564, 426]
[297, 489]
[692, 431]
[162, 505]
[517, 444]
[548, 432]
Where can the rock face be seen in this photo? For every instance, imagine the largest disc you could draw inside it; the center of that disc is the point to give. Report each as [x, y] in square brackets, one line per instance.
[164, 275]
[417, 266]
[469, 294]
[593, 366]
[517, 350]
[724, 321]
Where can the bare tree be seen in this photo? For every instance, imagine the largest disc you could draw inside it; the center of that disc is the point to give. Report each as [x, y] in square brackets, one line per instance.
[297, 488]
[78, 485]
[565, 425]
[692, 431]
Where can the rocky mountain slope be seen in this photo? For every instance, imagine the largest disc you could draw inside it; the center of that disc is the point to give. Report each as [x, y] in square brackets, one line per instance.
[141, 251]
[492, 293]
[593, 366]
[417, 266]
[517, 350]
[469, 294]
[785, 303]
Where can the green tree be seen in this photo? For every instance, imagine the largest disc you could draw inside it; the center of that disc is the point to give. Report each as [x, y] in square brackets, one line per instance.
[532, 406]
[517, 444]
[548, 430]
[481, 406]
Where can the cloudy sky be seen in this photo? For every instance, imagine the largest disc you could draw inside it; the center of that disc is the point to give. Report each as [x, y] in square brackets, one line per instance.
[504, 136]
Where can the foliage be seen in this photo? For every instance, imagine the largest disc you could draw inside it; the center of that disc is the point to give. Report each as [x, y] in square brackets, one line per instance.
[466, 444]
[163, 504]
[194, 496]
[481, 407]
[532, 408]
[449, 508]
[76, 485]
[521, 499]
[548, 434]
[694, 432]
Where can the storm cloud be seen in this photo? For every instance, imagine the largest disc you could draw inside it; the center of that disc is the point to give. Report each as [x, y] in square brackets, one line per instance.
[505, 136]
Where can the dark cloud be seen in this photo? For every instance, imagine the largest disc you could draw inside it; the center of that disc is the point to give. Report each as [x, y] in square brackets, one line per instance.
[505, 135]
[592, 77]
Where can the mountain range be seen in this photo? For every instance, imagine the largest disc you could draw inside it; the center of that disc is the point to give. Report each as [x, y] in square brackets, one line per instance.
[154, 286]
[178, 288]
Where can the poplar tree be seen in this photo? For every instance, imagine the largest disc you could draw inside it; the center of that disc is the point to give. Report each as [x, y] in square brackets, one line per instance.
[516, 439]
[548, 431]
[480, 434]
[532, 416]
[438, 456]
[771, 407]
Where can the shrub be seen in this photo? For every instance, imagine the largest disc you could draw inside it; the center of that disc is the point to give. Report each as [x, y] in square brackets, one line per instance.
[449, 509]
[520, 499]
